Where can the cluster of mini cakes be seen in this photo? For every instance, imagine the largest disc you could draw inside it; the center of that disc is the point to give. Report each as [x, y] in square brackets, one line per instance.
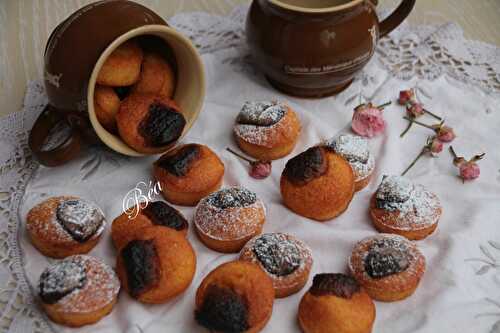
[267, 130]
[133, 97]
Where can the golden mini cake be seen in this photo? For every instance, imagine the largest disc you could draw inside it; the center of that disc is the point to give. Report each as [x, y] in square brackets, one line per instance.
[63, 226]
[149, 123]
[267, 130]
[403, 208]
[388, 266]
[336, 303]
[157, 77]
[283, 257]
[106, 105]
[157, 265]
[235, 297]
[317, 184]
[188, 173]
[78, 290]
[126, 226]
[356, 150]
[122, 67]
[227, 219]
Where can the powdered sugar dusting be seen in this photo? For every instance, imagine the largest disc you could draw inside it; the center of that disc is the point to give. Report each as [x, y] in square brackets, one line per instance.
[80, 218]
[100, 288]
[231, 213]
[61, 279]
[280, 255]
[259, 122]
[414, 206]
[356, 150]
[378, 244]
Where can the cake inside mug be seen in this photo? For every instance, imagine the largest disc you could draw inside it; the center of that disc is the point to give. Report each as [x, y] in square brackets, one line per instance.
[133, 95]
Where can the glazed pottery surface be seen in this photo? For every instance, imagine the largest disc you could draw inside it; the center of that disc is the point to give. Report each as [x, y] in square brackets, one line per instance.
[313, 48]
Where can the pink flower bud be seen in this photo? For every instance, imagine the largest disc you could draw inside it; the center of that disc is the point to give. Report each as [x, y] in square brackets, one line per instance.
[415, 110]
[436, 146]
[469, 170]
[445, 134]
[406, 96]
[260, 170]
[368, 121]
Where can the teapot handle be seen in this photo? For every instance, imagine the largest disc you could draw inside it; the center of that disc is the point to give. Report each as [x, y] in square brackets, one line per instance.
[397, 17]
[44, 127]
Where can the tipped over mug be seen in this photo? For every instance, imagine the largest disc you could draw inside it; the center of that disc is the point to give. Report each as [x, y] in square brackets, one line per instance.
[314, 48]
[74, 54]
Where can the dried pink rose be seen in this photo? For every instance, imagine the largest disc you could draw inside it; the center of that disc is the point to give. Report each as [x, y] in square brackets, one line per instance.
[368, 121]
[435, 146]
[406, 96]
[415, 109]
[445, 133]
[469, 170]
[260, 169]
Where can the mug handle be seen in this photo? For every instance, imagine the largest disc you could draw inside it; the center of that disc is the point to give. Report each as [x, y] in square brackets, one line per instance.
[41, 131]
[397, 17]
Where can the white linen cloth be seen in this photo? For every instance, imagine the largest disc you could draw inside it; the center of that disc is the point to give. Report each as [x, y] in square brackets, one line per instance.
[454, 294]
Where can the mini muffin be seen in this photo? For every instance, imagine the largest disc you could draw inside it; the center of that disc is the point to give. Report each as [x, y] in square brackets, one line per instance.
[356, 150]
[62, 226]
[317, 184]
[122, 67]
[157, 77]
[235, 297]
[283, 257]
[388, 266]
[227, 219]
[188, 173]
[158, 264]
[336, 303]
[126, 226]
[78, 290]
[267, 130]
[149, 123]
[106, 105]
[400, 207]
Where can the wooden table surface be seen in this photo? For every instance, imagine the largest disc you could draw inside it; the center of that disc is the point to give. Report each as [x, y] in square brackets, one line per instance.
[26, 24]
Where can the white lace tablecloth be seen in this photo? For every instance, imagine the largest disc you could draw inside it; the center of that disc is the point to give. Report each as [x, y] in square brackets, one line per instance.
[456, 78]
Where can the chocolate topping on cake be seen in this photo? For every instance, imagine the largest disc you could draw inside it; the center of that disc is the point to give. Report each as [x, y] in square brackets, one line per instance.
[223, 310]
[231, 198]
[141, 265]
[386, 257]
[160, 213]
[162, 125]
[61, 279]
[340, 285]
[261, 113]
[81, 219]
[277, 253]
[179, 163]
[306, 166]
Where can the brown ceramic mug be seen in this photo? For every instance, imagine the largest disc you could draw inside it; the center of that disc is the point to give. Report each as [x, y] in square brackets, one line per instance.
[313, 48]
[74, 54]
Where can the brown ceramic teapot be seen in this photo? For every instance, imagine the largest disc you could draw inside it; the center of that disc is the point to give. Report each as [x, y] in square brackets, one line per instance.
[313, 48]
[75, 52]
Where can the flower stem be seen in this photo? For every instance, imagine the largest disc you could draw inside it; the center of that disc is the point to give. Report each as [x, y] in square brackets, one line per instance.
[239, 155]
[406, 130]
[433, 114]
[381, 107]
[453, 153]
[420, 123]
[422, 152]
